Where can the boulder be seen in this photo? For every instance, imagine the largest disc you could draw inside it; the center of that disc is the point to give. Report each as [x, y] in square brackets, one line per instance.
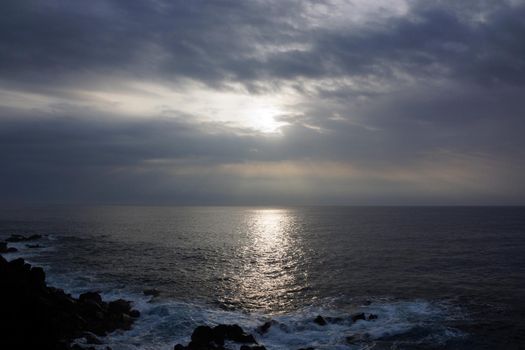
[358, 316]
[232, 332]
[19, 266]
[219, 334]
[351, 339]
[93, 308]
[320, 320]
[265, 327]
[207, 338]
[16, 238]
[5, 249]
[93, 296]
[38, 276]
[20, 238]
[246, 338]
[125, 322]
[202, 335]
[236, 333]
[92, 338]
[119, 306]
[134, 313]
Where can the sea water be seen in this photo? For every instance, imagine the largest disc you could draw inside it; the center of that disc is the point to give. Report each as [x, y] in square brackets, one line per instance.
[436, 277]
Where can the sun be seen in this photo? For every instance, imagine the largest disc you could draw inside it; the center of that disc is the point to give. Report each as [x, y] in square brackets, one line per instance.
[263, 119]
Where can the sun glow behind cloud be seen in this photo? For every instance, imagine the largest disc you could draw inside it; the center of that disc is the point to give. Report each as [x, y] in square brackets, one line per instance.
[233, 107]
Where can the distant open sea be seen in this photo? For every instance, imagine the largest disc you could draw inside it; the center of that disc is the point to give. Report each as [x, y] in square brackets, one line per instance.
[437, 277]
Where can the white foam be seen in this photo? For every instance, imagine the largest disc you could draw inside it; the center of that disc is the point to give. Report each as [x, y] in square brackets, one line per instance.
[164, 323]
[27, 253]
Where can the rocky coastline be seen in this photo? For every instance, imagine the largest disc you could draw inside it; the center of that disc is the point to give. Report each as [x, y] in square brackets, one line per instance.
[36, 315]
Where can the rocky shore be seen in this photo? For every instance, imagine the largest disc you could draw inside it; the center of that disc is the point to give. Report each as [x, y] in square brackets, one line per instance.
[216, 338]
[35, 315]
[205, 337]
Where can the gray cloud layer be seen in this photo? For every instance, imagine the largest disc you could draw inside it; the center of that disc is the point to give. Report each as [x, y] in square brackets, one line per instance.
[420, 107]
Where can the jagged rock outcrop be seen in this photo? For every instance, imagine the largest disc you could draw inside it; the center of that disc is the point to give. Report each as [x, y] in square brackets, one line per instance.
[38, 316]
[208, 338]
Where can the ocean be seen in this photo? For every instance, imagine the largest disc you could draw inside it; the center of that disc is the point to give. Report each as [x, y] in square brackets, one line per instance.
[436, 277]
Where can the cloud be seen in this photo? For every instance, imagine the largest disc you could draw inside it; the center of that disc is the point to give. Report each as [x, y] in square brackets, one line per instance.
[166, 160]
[222, 41]
[177, 101]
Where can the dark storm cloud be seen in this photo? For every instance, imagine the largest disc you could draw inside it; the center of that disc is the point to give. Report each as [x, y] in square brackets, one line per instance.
[46, 41]
[440, 87]
[166, 160]
[215, 41]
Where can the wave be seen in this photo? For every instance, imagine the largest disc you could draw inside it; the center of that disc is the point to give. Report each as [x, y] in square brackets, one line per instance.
[165, 322]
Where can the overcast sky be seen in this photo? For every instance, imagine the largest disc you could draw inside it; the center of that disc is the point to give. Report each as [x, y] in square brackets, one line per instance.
[266, 102]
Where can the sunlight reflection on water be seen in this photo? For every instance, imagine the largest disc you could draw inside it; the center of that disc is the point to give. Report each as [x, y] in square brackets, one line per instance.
[268, 277]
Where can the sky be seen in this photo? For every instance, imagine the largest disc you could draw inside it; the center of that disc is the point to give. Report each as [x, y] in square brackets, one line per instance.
[262, 102]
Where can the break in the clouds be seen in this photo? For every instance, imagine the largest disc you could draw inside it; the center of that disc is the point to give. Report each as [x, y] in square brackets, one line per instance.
[262, 102]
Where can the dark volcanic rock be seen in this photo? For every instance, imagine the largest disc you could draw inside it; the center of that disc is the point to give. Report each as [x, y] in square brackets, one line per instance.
[92, 338]
[320, 320]
[119, 306]
[202, 335]
[5, 249]
[36, 316]
[20, 238]
[134, 313]
[219, 334]
[207, 338]
[359, 316]
[232, 332]
[265, 327]
[236, 333]
[351, 339]
[37, 276]
[19, 266]
[90, 296]
[15, 238]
